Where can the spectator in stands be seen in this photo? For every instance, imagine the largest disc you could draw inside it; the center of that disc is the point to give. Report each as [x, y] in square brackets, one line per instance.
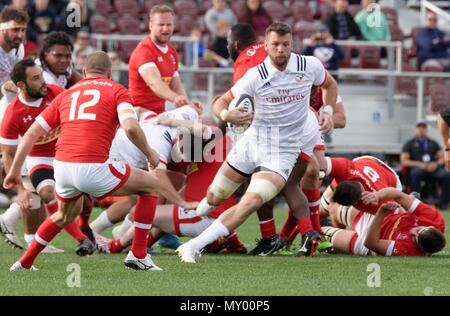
[219, 12]
[432, 43]
[67, 21]
[43, 17]
[203, 52]
[253, 13]
[444, 129]
[80, 57]
[341, 24]
[20, 5]
[322, 46]
[372, 22]
[424, 159]
[117, 74]
[82, 41]
[220, 44]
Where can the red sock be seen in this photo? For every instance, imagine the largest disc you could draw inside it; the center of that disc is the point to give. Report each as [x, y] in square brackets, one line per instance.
[288, 226]
[46, 232]
[151, 240]
[267, 228]
[72, 228]
[314, 205]
[143, 218]
[293, 234]
[233, 240]
[304, 225]
[115, 246]
[83, 219]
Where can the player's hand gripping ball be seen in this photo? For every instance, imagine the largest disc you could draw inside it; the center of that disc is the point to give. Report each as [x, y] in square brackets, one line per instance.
[240, 120]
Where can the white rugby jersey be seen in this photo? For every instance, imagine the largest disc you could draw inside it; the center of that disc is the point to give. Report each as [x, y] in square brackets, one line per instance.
[8, 60]
[281, 97]
[159, 137]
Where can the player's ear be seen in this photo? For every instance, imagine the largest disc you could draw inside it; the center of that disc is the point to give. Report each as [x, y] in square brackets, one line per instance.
[109, 74]
[21, 85]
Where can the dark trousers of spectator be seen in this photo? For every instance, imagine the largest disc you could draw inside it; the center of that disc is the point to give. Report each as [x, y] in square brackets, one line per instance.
[440, 175]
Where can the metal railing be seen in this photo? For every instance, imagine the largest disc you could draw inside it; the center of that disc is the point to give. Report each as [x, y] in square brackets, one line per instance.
[111, 39]
[426, 5]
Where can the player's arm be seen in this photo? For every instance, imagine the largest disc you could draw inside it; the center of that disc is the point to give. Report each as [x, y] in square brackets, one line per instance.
[330, 92]
[405, 200]
[444, 131]
[406, 161]
[337, 167]
[8, 153]
[167, 189]
[195, 127]
[74, 78]
[373, 241]
[152, 78]
[236, 116]
[339, 119]
[129, 123]
[177, 86]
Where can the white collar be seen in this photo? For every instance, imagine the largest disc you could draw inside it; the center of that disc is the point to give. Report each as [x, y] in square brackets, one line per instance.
[34, 104]
[163, 49]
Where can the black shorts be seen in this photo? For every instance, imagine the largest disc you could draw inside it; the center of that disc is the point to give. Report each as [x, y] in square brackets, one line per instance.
[445, 114]
[40, 175]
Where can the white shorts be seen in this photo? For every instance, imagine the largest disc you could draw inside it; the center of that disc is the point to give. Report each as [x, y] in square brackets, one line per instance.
[99, 179]
[311, 138]
[361, 225]
[34, 163]
[249, 154]
[187, 223]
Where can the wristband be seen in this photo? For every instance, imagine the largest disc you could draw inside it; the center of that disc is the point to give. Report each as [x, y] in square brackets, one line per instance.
[222, 114]
[328, 109]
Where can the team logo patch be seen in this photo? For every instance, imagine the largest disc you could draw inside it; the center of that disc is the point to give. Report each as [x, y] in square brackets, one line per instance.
[160, 59]
[251, 52]
[299, 78]
[172, 58]
[27, 119]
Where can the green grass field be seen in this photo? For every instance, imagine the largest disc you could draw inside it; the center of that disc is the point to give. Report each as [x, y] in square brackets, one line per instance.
[325, 274]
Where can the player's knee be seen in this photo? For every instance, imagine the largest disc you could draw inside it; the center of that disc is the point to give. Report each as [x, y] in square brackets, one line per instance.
[47, 193]
[265, 189]
[248, 205]
[222, 187]
[212, 199]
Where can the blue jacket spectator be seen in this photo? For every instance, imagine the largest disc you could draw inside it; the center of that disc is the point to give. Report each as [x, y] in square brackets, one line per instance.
[43, 17]
[432, 43]
[323, 47]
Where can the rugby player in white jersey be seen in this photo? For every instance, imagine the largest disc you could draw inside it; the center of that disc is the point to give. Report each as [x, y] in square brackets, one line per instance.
[280, 87]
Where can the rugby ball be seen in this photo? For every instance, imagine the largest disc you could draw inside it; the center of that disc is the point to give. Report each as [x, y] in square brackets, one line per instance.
[245, 102]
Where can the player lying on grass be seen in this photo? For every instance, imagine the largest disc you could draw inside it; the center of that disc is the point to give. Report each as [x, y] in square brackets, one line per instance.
[174, 219]
[403, 227]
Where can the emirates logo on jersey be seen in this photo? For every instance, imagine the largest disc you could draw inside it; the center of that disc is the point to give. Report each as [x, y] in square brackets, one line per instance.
[27, 119]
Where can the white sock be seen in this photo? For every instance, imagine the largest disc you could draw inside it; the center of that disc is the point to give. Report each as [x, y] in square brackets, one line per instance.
[213, 232]
[123, 228]
[204, 208]
[28, 238]
[101, 223]
[12, 215]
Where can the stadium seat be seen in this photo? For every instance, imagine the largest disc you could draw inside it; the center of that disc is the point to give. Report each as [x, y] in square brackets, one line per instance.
[186, 7]
[301, 11]
[125, 49]
[406, 85]
[237, 6]
[391, 14]
[205, 5]
[301, 31]
[439, 97]
[148, 4]
[200, 80]
[369, 57]
[396, 32]
[128, 25]
[431, 66]
[353, 9]
[347, 61]
[100, 25]
[275, 9]
[185, 24]
[103, 7]
[130, 7]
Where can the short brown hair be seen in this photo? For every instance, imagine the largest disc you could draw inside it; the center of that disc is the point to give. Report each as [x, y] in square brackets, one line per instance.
[431, 240]
[11, 14]
[98, 62]
[279, 28]
[347, 193]
[160, 8]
